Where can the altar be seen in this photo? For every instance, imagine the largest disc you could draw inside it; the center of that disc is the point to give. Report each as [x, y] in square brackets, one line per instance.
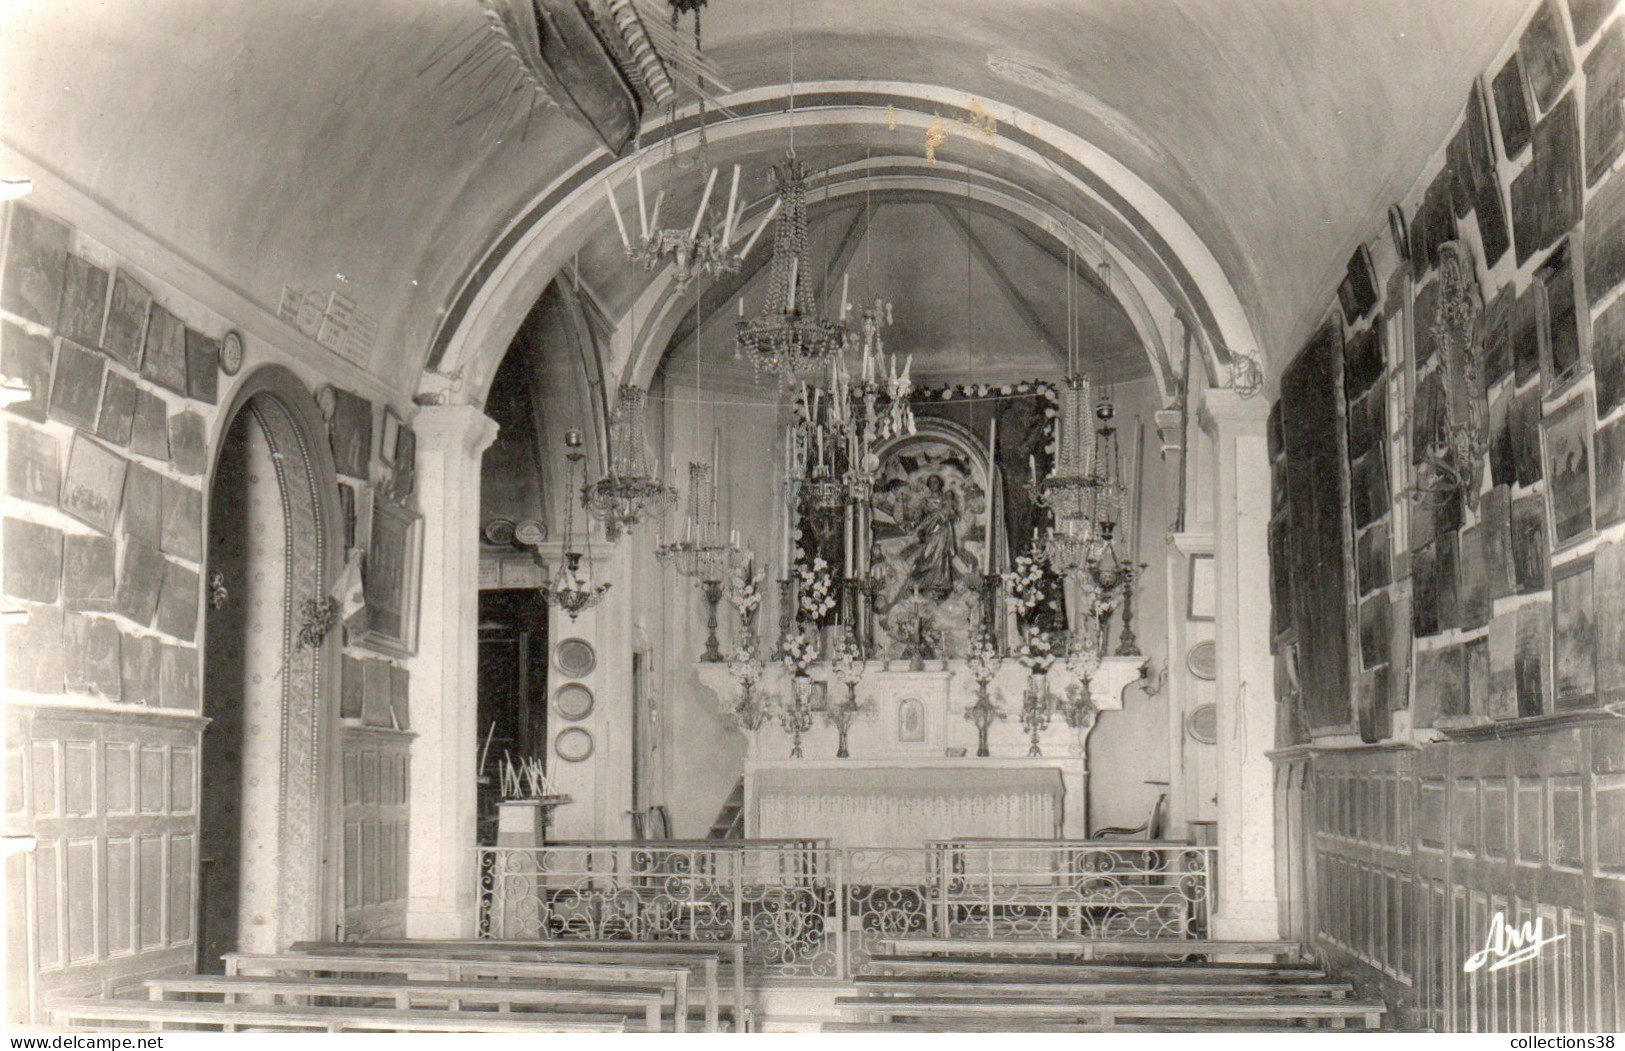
[912, 775]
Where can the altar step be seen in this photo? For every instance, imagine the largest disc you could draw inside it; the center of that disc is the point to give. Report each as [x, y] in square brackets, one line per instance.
[730, 822]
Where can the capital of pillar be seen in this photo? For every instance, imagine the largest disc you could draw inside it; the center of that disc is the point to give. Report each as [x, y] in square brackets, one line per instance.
[1224, 412]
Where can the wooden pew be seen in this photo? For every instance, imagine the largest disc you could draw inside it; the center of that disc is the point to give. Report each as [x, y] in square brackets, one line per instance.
[673, 977]
[161, 1014]
[1194, 986]
[1091, 948]
[1018, 966]
[706, 962]
[733, 950]
[1107, 1012]
[406, 994]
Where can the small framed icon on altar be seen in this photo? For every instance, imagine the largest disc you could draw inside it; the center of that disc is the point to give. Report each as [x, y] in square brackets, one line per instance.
[910, 721]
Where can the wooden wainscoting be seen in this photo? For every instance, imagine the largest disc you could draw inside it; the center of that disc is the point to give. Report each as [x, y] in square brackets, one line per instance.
[377, 790]
[1412, 851]
[108, 893]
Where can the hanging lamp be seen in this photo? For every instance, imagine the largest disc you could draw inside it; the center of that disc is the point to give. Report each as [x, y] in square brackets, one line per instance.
[573, 590]
[630, 492]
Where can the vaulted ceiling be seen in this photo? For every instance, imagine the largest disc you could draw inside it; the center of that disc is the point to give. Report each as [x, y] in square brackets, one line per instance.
[312, 144]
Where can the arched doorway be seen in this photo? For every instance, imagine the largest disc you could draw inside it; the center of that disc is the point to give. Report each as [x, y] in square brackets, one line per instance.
[267, 838]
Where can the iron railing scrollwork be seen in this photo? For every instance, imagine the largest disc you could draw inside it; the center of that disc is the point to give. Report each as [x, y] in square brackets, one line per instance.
[809, 910]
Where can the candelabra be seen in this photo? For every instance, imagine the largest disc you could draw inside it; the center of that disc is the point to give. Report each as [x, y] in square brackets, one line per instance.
[630, 492]
[787, 609]
[1080, 713]
[846, 668]
[573, 590]
[1035, 710]
[701, 555]
[984, 663]
[789, 338]
[796, 714]
[698, 249]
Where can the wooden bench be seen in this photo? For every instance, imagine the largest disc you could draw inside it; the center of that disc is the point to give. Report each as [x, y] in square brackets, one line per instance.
[1018, 1025]
[1090, 948]
[407, 994]
[733, 950]
[161, 1014]
[707, 963]
[1194, 986]
[1017, 966]
[1108, 1012]
[673, 978]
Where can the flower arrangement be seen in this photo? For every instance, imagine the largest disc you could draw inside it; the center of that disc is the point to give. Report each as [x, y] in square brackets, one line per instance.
[1035, 653]
[817, 590]
[743, 593]
[1024, 585]
[983, 660]
[800, 653]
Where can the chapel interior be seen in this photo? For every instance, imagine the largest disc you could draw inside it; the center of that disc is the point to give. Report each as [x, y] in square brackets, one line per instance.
[607, 515]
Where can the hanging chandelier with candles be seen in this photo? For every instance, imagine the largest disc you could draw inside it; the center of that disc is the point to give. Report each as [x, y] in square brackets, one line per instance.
[1083, 491]
[630, 492]
[703, 247]
[790, 339]
[573, 591]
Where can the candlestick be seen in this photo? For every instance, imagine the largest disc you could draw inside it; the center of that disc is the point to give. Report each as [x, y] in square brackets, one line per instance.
[1032, 469]
[771, 212]
[733, 200]
[654, 216]
[643, 215]
[992, 461]
[615, 210]
[705, 199]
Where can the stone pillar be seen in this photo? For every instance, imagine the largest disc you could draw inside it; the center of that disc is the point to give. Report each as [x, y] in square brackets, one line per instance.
[442, 882]
[1246, 679]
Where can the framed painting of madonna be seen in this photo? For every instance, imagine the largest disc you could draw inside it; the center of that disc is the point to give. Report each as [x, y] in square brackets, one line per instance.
[928, 542]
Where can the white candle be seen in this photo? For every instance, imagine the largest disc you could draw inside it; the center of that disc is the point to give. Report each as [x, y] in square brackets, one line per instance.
[643, 216]
[615, 210]
[1032, 469]
[846, 281]
[733, 199]
[654, 217]
[992, 461]
[705, 199]
[741, 308]
[771, 212]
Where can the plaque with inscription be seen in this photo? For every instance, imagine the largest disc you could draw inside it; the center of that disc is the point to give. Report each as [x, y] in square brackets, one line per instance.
[1476, 658]
[1574, 633]
[188, 443]
[91, 657]
[182, 534]
[1525, 426]
[1546, 194]
[1611, 473]
[177, 602]
[165, 360]
[89, 572]
[33, 470]
[202, 367]
[1529, 543]
[1495, 524]
[1532, 657]
[1567, 433]
[76, 391]
[1503, 698]
[1496, 324]
[26, 359]
[141, 575]
[1609, 594]
[1512, 106]
[1605, 116]
[33, 561]
[144, 504]
[84, 301]
[1564, 352]
[149, 435]
[39, 636]
[126, 327]
[178, 682]
[141, 669]
[1544, 48]
[117, 416]
[93, 486]
[1605, 240]
[1608, 345]
[36, 248]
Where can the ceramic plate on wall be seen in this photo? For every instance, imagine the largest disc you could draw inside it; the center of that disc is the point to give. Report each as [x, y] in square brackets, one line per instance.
[573, 744]
[573, 701]
[575, 658]
[1203, 723]
[1203, 661]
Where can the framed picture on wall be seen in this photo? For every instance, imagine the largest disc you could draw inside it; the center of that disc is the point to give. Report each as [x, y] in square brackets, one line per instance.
[390, 578]
[1567, 439]
[1204, 599]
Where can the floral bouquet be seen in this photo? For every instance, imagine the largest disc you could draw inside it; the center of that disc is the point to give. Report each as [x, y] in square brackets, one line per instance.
[743, 593]
[817, 590]
[1024, 585]
[800, 653]
[983, 660]
[1035, 653]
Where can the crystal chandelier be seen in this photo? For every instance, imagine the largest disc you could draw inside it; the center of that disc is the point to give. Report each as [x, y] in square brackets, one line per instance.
[630, 492]
[573, 590]
[702, 554]
[789, 338]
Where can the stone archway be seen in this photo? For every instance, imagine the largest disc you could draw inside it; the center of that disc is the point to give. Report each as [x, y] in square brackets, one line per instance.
[274, 547]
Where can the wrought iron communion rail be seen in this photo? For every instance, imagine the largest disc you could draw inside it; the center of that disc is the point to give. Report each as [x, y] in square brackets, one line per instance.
[810, 910]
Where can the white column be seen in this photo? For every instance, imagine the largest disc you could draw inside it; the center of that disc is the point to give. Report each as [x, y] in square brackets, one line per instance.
[1246, 680]
[442, 880]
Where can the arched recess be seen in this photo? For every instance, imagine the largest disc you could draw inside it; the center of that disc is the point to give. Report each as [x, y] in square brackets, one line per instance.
[522, 258]
[307, 866]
